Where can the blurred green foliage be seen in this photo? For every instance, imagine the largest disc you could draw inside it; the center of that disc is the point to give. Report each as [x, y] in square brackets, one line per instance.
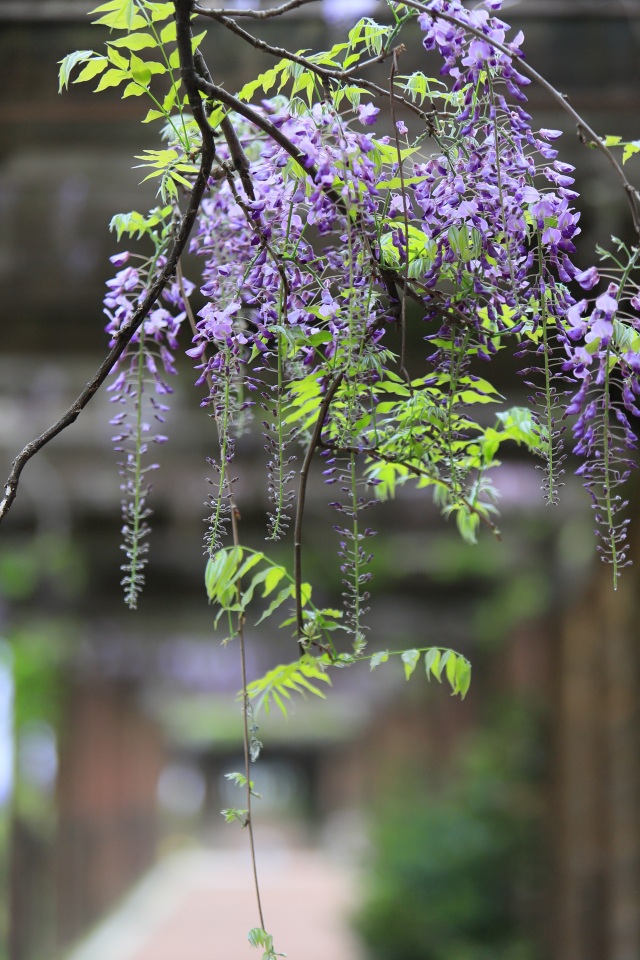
[454, 868]
[37, 578]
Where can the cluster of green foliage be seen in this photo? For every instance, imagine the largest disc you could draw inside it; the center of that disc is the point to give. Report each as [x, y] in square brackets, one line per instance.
[459, 884]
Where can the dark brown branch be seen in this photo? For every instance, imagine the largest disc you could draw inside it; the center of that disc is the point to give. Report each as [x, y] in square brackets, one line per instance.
[324, 73]
[264, 124]
[238, 156]
[254, 226]
[128, 329]
[260, 121]
[260, 14]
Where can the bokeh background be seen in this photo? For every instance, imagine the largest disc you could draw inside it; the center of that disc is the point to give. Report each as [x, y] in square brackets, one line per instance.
[397, 822]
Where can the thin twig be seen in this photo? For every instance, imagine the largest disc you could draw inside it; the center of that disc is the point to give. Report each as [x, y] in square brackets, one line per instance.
[235, 515]
[245, 726]
[254, 226]
[237, 154]
[405, 285]
[192, 321]
[376, 454]
[325, 73]
[260, 14]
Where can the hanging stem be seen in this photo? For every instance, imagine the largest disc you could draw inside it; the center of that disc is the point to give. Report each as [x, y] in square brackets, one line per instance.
[235, 517]
[245, 732]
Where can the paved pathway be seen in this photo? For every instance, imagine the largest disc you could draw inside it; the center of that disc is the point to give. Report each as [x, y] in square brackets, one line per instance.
[199, 905]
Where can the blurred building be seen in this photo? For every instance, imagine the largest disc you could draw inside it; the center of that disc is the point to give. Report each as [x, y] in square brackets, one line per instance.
[144, 703]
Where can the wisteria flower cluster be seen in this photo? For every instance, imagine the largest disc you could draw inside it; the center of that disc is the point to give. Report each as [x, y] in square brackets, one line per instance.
[333, 243]
[140, 389]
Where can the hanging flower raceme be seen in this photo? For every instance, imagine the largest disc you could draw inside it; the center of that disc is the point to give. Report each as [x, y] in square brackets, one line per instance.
[315, 256]
[140, 389]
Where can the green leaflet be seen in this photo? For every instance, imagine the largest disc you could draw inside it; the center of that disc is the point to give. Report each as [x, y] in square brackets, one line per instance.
[301, 676]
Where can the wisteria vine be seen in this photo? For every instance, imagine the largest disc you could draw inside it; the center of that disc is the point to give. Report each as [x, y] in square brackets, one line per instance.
[333, 236]
[324, 242]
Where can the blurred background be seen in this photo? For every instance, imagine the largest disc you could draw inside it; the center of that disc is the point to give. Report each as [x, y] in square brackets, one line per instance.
[396, 823]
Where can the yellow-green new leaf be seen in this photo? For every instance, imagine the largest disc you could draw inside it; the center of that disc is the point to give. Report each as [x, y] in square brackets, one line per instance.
[117, 59]
[463, 677]
[119, 15]
[410, 659]
[378, 658]
[112, 78]
[168, 33]
[135, 41]
[68, 63]
[159, 11]
[451, 665]
[140, 70]
[433, 664]
[92, 69]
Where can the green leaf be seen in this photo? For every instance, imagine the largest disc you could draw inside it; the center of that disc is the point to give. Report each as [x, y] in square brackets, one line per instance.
[378, 658]
[168, 33]
[463, 677]
[238, 779]
[264, 82]
[112, 78]
[252, 560]
[257, 937]
[446, 656]
[256, 580]
[92, 69]
[630, 149]
[220, 569]
[277, 602]
[135, 41]
[231, 814]
[135, 223]
[396, 183]
[170, 98]
[197, 40]
[133, 90]
[519, 425]
[410, 659]
[273, 578]
[159, 11]
[153, 115]
[119, 15]
[140, 70]
[277, 699]
[433, 663]
[277, 683]
[117, 59]
[452, 662]
[68, 63]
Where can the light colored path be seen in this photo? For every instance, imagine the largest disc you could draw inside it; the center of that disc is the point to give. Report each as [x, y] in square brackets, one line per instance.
[199, 905]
